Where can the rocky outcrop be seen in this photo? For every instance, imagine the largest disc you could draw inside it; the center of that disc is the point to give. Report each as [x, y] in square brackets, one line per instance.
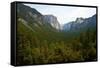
[52, 20]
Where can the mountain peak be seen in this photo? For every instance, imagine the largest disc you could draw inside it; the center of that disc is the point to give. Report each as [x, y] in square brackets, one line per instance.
[81, 23]
[79, 20]
[51, 16]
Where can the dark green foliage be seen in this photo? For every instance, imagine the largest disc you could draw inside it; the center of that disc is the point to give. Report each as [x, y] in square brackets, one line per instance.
[43, 46]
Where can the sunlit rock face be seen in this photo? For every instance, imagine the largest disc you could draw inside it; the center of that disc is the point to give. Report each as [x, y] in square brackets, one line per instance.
[52, 20]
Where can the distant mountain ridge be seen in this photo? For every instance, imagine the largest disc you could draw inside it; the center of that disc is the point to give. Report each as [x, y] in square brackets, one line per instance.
[34, 19]
[80, 23]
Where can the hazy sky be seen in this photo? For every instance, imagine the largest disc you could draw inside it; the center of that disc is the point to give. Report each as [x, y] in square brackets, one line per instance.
[64, 14]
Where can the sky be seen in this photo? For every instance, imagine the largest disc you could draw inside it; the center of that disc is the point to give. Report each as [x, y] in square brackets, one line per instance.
[64, 14]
